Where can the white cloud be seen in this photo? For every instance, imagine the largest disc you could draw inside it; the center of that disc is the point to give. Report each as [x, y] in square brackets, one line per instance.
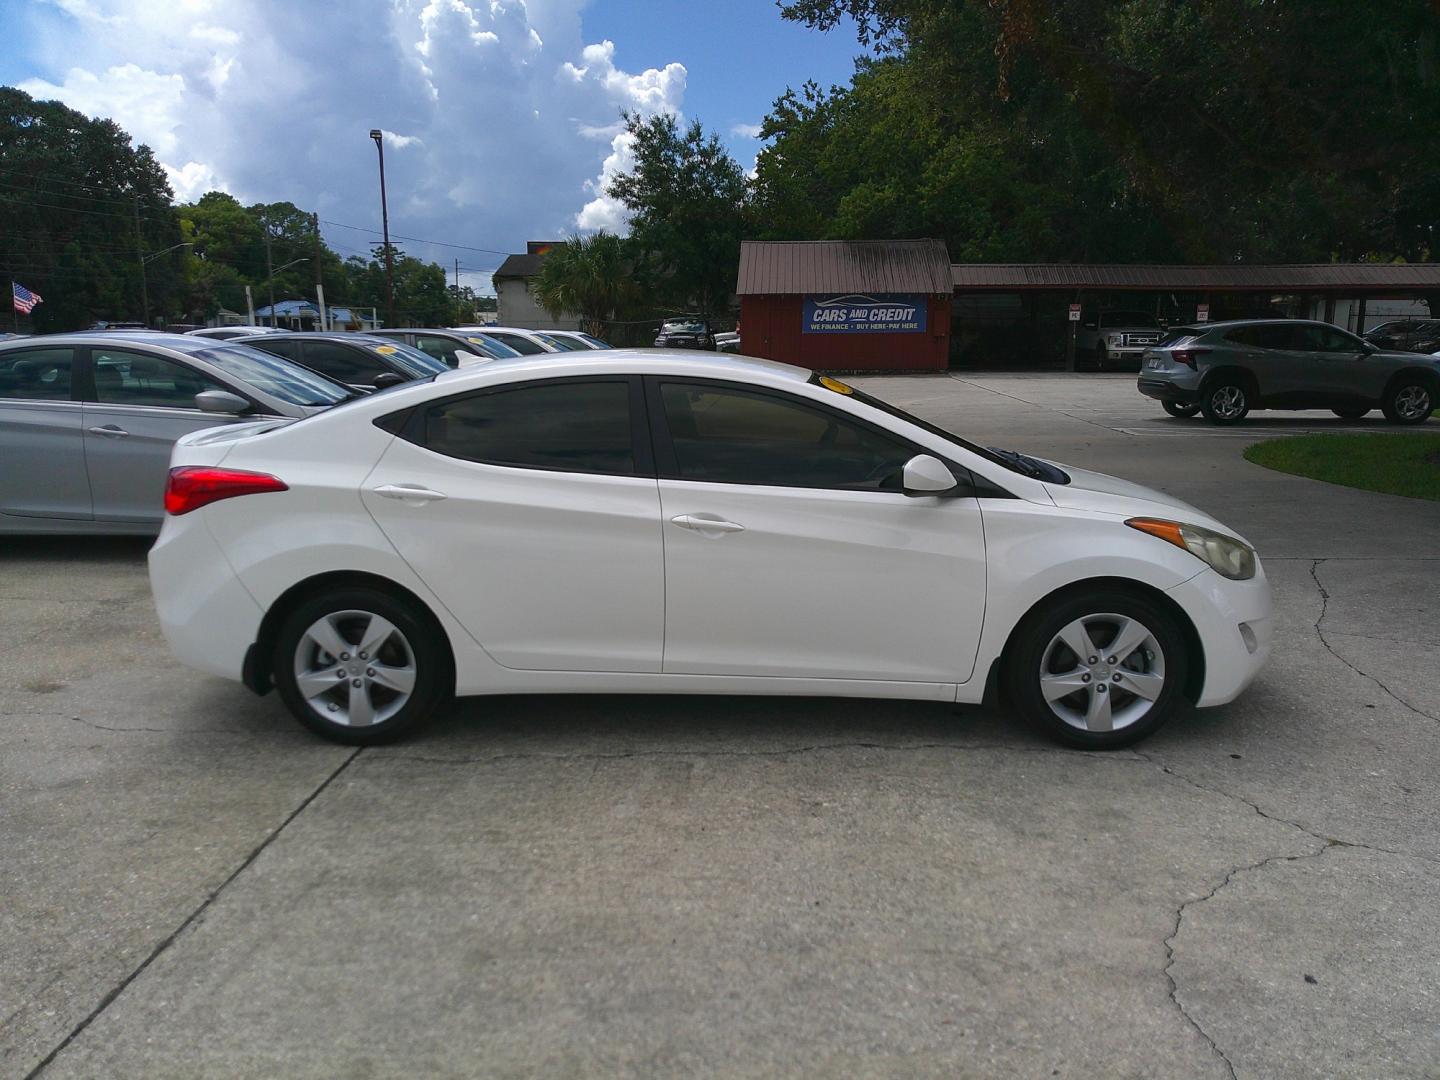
[746, 131]
[507, 118]
[604, 212]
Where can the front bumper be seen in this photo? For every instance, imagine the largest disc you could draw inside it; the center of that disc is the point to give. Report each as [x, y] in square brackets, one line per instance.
[1236, 624]
[1164, 389]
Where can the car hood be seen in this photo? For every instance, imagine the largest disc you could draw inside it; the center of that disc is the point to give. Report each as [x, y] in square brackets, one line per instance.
[1105, 494]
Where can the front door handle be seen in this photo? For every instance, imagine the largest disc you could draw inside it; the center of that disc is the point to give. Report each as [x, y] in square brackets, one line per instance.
[704, 524]
[409, 492]
[110, 431]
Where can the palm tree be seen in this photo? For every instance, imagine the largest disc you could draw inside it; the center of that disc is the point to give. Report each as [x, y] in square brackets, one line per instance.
[589, 276]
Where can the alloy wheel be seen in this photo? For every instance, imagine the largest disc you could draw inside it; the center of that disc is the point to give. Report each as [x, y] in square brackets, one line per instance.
[1102, 672]
[1228, 402]
[354, 668]
[1412, 402]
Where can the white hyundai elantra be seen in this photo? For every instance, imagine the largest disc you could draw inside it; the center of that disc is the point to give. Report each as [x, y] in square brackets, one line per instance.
[648, 522]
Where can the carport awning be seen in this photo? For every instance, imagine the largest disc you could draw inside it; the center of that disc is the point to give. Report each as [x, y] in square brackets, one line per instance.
[1300, 277]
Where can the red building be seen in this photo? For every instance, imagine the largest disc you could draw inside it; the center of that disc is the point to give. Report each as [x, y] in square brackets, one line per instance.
[838, 305]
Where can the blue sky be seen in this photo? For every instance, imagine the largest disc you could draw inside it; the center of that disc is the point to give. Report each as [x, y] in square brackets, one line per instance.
[500, 115]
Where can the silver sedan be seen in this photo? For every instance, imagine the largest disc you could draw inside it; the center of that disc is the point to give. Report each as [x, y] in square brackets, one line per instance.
[87, 420]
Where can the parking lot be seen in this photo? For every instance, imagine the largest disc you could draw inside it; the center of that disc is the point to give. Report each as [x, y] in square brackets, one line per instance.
[741, 886]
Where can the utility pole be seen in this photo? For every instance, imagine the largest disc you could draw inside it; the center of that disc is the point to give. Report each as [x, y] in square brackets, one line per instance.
[319, 274]
[140, 257]
[459, 318]
[379, 137]
[269, 270]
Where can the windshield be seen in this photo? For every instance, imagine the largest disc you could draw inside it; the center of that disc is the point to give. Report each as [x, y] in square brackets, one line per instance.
[595, 342]
[274, 375]
[411, 360]
[563, 344]
[1126, 318]
[519, 344]
[683, 326]
[485, 346]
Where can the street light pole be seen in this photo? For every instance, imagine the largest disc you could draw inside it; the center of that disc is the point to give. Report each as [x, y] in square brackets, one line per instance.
[379, 137]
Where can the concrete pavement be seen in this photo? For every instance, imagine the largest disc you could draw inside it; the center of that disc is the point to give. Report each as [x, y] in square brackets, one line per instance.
[746, 887]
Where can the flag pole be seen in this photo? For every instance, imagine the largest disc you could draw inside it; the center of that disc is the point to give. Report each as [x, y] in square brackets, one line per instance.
[14, 308]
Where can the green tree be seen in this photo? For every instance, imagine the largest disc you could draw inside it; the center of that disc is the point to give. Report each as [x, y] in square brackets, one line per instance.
[687, 202]
[589, 276]
[72, 193]
[1204, 130]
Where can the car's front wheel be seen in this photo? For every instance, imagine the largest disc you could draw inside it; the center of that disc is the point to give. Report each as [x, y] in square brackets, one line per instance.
[1226, 401]
[1180, 408]
[1408, 401]
[360, 666]
[1098, 671]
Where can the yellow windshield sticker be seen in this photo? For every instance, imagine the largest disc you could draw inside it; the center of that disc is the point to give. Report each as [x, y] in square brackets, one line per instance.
[385, 350]
[476, 340]
[836, 385]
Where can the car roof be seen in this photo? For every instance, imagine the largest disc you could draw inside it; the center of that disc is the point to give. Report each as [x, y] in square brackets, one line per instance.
[176, 342]
[1231, 323]
[625, 362]
[329, 335]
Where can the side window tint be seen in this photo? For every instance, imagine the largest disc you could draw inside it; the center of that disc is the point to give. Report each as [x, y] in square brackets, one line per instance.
[1244, 335]
[36, 374]
[341, 362]
[740, 437]
[564, 427]
[1336, 341]
[133, 378]
[438, 347]
[290, 350]
[522, 345]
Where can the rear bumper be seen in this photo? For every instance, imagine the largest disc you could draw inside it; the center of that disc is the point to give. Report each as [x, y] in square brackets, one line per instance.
[208, 617]
[1236, 624]
[1166, 390]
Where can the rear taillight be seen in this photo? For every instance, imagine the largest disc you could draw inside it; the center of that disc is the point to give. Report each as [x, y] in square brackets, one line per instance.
[193, 486]
[1187, 356]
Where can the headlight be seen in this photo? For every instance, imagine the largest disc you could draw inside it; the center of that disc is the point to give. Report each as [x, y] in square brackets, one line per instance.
[1226, 555]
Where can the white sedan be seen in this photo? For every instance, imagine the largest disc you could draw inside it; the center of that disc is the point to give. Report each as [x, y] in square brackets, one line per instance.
[650, 522]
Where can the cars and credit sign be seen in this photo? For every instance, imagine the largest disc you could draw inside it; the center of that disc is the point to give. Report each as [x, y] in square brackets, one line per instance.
[853, 313]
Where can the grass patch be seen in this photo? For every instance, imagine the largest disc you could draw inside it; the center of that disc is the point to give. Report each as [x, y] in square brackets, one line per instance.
[1406, 464]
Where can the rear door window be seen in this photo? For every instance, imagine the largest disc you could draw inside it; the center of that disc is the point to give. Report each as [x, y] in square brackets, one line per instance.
[520, 344]
[36, 374]
[581, 426]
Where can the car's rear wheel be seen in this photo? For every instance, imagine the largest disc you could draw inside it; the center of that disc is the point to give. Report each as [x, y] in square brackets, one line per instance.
[1179, 408]
[1226, 401]
[1100, 670]
[360, 666]
[1351, 414]
[1408, 401]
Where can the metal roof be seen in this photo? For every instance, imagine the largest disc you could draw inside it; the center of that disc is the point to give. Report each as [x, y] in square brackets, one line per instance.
[782, 267]
[518, 266]
[1301, 277]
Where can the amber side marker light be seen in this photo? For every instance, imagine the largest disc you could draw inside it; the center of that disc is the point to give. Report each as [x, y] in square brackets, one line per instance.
[1165, 530]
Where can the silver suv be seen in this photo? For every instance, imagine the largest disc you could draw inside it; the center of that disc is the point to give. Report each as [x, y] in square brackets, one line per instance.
[1225, 369]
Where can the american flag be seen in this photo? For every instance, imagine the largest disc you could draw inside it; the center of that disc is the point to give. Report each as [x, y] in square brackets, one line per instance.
[24, 298]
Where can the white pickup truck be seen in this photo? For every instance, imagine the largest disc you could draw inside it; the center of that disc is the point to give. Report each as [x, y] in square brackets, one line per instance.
[1115, 337]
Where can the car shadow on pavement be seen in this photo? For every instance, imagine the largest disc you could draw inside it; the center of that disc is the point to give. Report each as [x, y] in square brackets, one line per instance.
[84, 549]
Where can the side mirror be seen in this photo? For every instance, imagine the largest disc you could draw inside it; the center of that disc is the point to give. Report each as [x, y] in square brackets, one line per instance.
[927, 475]
[221, 401]
[386, 378]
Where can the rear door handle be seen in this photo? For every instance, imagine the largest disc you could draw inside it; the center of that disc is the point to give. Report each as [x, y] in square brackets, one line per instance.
[110, 431]
[703, 524]
[409, 492]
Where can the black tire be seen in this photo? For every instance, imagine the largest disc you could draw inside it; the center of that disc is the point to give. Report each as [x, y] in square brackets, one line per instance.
[420, 642]
[1352, 413]
[1031, 647]
[1225, 401]
[1410, 399]
[1181, 409]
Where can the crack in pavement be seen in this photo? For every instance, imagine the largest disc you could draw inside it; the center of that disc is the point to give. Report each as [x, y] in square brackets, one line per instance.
[1320, 633]
[190, 919]
[1169, 942]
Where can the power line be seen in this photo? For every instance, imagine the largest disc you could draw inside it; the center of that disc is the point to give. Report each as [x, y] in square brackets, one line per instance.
[414, 239]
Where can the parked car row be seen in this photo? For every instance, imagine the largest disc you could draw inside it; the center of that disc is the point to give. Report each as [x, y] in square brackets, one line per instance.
[1227, 369]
